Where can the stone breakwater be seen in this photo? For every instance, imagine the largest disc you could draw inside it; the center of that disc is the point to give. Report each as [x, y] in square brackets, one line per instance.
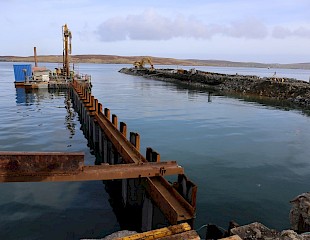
[287, 90]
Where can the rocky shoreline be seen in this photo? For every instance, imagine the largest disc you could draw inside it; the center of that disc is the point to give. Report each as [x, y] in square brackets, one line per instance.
[295, 93]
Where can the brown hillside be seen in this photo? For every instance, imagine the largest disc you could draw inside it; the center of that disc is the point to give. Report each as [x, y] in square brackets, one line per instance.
[93, 58]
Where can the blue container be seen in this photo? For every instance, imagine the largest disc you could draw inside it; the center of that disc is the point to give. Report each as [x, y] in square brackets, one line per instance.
[22, 71]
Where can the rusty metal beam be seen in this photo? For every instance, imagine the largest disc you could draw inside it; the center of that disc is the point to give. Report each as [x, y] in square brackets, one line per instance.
[37, 172]
[32, 162]
[129, 153]
[171, 203]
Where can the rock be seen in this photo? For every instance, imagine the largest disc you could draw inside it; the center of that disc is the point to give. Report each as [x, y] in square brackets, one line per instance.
[255, 231]
[290, 235]
[300, 213]
[115, 235]
[259, 231]
[285, 90]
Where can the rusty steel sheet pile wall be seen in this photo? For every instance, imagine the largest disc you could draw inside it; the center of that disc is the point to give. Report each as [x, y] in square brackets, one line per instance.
[177, 201]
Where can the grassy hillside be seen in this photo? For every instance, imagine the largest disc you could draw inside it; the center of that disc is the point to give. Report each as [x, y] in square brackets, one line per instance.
[163, 61]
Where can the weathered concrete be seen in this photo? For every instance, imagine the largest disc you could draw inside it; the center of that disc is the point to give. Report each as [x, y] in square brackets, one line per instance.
[292, 91]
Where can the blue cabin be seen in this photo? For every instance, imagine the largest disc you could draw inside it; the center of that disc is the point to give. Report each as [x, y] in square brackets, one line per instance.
[22, 72]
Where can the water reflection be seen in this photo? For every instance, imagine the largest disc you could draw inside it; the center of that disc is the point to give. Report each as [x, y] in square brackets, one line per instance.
[195, 92]
[23, 98]
[43, 120]
[70, 117]
[31, 97]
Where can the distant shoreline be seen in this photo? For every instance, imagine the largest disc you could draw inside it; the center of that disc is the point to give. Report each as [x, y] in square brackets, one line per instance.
[112, 59]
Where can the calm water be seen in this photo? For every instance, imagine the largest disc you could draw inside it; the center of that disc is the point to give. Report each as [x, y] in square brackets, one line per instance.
[248, 160]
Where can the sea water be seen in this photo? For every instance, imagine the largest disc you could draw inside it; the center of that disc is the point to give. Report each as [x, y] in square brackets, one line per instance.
[247, 159]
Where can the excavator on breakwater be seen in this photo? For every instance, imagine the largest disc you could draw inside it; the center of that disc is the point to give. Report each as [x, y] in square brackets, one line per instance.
[141, 64]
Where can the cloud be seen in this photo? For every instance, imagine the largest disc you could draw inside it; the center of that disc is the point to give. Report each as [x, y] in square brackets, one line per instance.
[152, 26]
[249, 28]
[284, 32]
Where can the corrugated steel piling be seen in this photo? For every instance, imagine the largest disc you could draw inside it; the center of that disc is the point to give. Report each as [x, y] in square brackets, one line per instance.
[137, 180]
[154, 197]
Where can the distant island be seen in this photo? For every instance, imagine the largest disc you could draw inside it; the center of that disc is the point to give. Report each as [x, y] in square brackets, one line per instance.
[112, 59]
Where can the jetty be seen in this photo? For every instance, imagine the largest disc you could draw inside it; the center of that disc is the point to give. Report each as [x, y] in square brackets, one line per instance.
[287, 90]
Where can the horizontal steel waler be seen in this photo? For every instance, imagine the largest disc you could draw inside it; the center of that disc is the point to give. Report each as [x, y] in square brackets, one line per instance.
[63, 166]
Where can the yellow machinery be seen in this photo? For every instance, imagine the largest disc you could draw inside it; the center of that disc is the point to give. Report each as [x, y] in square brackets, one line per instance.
[67, 36]
[140, 64]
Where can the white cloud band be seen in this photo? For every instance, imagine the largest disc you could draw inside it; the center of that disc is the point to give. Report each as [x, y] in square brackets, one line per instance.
[151, 26]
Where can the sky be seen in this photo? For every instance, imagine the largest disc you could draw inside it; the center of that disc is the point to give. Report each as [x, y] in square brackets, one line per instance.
[267, 31]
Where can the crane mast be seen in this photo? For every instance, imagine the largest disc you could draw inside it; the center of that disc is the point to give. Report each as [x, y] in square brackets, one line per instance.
[67, 36]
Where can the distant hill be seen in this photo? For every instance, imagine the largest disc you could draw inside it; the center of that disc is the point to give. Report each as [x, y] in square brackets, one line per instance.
[156, 60]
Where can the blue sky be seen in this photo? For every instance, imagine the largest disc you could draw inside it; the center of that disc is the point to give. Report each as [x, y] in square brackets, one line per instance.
[275, 31]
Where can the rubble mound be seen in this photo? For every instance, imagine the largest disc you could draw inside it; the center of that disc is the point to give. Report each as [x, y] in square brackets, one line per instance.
[288, 90]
